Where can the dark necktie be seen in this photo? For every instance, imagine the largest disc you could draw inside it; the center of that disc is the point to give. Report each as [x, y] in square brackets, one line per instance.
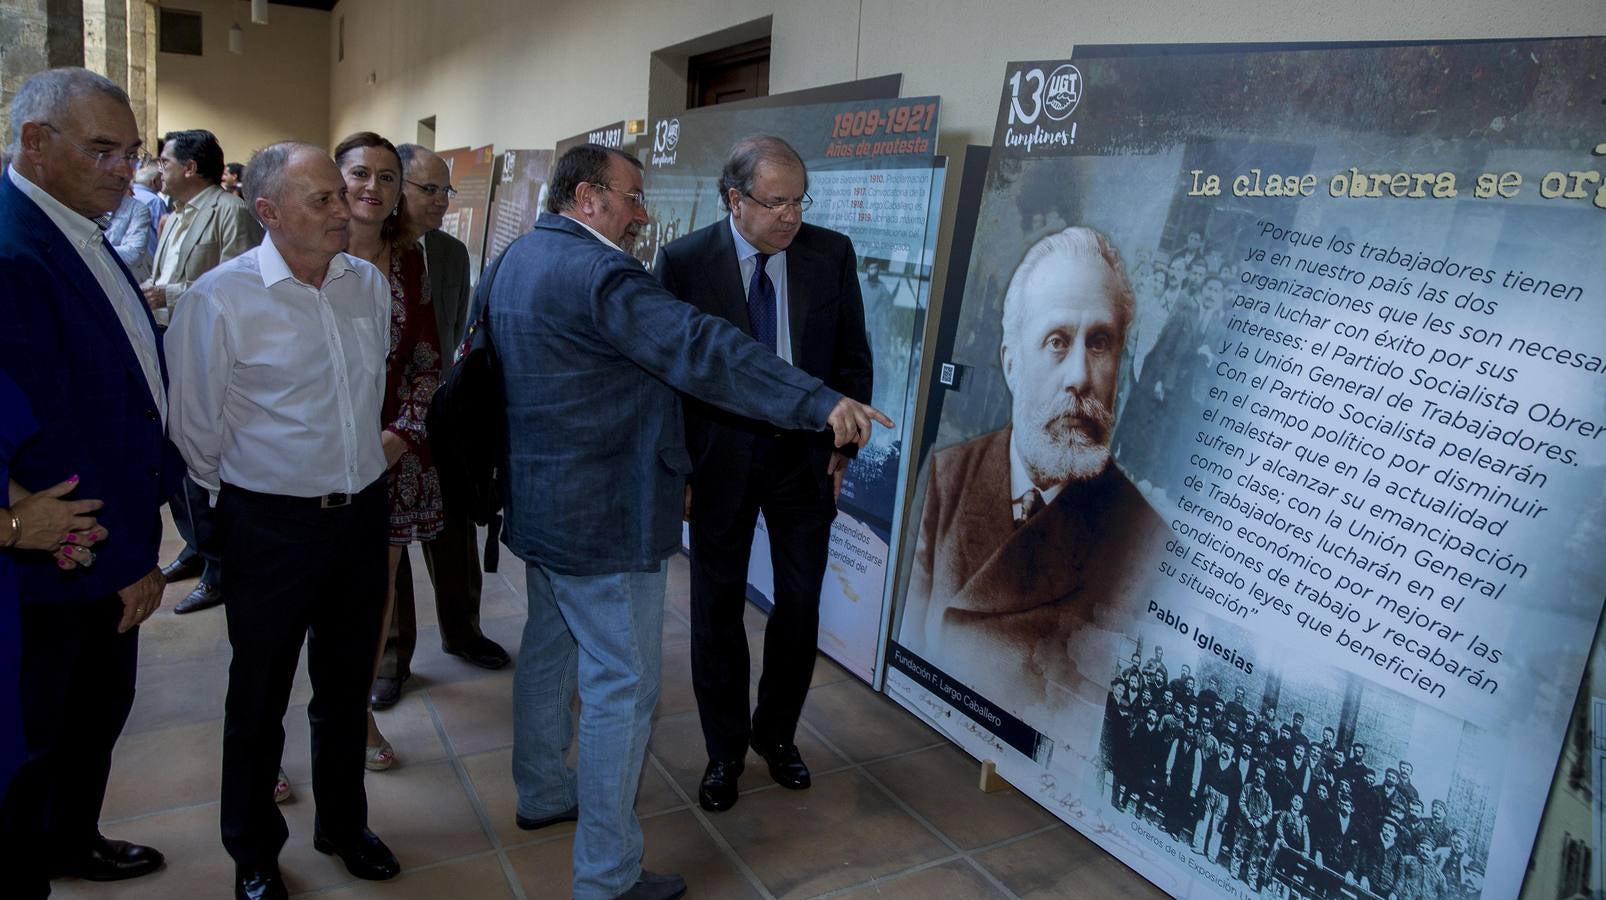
[761, 303]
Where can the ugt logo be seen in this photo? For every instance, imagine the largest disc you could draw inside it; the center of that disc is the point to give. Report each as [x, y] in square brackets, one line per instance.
[666, 134]
[1032, 94]
[1063, 92]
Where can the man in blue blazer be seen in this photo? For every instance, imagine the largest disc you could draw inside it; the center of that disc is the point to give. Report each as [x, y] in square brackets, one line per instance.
[76, 336]
[593, 351]
[795, 288]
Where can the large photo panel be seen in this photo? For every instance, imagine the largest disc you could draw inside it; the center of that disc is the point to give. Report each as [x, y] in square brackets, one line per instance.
[872, 175]
[1257, 537]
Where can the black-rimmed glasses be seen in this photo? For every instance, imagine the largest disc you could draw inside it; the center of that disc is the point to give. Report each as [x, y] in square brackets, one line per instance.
[431, 190]
[104, 158]
[800, 204]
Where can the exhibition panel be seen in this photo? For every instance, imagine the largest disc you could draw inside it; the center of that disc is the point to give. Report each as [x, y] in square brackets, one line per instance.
[518, 192]
[467, 215]
[1255, 540]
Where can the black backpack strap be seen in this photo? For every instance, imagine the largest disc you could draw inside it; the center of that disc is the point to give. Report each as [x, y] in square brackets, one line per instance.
[481, 306]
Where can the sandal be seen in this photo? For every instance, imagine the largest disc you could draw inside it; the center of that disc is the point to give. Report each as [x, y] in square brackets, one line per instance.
[281, 790]
[381, 757]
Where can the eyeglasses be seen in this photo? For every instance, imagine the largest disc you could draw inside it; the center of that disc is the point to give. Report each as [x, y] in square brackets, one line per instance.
[776, 206]
[638, 197]
[104, 158]
[431, 190]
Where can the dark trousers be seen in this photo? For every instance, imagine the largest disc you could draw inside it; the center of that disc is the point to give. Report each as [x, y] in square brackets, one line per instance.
[297, 571]
[452, 559]
[195, 521]
[77, 689]
[788, 483]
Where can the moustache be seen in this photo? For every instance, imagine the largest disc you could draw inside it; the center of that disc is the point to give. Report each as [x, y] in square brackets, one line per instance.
[1079, 420]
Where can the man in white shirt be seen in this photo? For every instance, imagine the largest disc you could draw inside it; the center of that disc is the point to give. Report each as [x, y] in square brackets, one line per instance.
[78, 341]
[279, 368]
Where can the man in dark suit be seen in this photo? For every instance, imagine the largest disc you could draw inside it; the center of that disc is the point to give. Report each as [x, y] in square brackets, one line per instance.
[593, 352]
[77, 338]
[452, 558]
[793, 287]
[1031, 533]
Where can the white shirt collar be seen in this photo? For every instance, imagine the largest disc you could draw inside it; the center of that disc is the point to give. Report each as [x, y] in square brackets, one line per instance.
[744, 248]
[271, 264]
[1020, 482]
[595, 232]
[82, 232]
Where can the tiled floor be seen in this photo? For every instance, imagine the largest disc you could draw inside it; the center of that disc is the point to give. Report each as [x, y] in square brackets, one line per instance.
[894, 810]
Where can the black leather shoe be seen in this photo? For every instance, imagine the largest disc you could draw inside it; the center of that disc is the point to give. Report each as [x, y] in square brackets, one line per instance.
[651, 886]
[105, 860]
[386, 692]
[786, 765]
[718, 791]
[205, 596]
[180, 569]
[484, 652]
[259, 884]
[365, 855]
[569, 815]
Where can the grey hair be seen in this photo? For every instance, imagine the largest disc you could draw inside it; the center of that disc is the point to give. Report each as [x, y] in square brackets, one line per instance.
[49, 95]
[745, 157]
[264, 174]
[1076, 241]
[147, 174]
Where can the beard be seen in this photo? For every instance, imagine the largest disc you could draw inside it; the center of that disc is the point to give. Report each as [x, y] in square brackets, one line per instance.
[1066, 438]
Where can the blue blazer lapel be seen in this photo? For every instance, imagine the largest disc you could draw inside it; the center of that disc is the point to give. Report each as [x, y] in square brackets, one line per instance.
[728, 274]
[96, 307]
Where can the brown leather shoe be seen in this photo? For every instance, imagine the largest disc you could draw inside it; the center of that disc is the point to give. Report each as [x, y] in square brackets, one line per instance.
[205, 596]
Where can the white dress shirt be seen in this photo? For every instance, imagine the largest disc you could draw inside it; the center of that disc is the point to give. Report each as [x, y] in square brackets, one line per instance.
[86, 238]
[747, 260]
[277, 384]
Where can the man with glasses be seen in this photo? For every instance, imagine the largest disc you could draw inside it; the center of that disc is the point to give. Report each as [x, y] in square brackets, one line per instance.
[77, 338]
[208, 225]
[794, 288]
[595, 356]
[452, 558]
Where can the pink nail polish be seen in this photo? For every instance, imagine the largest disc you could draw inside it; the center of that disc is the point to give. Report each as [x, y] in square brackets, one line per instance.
[62, 563]
[72, 538]
[73, 479]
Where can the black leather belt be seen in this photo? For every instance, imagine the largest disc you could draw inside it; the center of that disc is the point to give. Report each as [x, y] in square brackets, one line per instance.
[336, 500]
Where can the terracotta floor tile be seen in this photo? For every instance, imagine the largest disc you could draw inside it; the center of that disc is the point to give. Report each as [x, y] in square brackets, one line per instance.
[962, 812]
[956, 880]
[160, 770]
[864, 725]
[477, 714]
[1063, 863]
[424, 814]
[473, 878]
[179, 693]
[840, 832]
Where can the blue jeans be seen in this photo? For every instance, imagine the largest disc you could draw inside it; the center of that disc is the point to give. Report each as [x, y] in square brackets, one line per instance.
[607, 631]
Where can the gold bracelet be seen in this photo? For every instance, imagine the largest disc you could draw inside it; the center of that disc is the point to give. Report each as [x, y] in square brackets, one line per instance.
[16, 530]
